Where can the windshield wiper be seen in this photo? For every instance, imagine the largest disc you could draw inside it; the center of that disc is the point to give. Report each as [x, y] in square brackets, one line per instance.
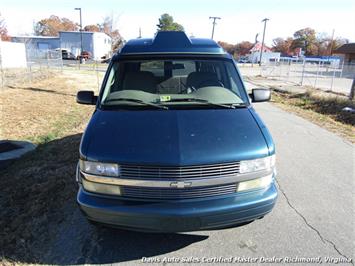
[135, 101]
[197, 100]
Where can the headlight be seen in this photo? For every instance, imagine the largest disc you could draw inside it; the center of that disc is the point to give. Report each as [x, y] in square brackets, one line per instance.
[257, 164]
[97, 168]
[101, 188]
[257, 183]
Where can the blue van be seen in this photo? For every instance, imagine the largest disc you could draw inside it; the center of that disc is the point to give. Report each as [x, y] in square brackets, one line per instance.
[174, 144]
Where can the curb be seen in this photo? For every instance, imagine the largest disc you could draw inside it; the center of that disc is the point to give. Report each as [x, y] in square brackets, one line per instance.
[8, 156]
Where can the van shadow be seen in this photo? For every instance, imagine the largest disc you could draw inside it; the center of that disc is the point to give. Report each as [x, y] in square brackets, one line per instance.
[79, 242]
[41, 222]
[114, 246]
[42, 90]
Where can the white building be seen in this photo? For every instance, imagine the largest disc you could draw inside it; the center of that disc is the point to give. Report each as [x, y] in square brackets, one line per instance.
[98, 44]
[12, 55]
[268, 55]
[254, 57]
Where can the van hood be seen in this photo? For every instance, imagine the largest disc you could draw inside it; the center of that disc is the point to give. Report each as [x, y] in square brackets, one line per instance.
[173, 137]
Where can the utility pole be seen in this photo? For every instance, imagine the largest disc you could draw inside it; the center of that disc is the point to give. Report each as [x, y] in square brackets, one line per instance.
[256, 38]
[352, 91]
[331, 43]
[140, 33]
[262, 44]
[81, 35]
[214, 24]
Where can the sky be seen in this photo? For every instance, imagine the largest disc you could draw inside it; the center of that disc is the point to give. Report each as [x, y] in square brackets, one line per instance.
[240, 20]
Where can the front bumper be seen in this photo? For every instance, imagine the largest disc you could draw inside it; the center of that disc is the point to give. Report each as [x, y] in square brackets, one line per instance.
[179, 215]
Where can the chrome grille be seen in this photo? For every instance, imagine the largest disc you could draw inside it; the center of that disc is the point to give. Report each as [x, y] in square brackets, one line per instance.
[204, 171]
[176, 193]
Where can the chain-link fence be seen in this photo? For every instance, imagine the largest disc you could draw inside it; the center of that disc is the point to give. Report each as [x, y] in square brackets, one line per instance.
[329, 75]
[40, 64]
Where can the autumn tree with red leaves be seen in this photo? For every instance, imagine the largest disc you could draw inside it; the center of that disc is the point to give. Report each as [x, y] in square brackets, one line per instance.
[53, 25]
[237, 50]
[92, 28]
[3, 31]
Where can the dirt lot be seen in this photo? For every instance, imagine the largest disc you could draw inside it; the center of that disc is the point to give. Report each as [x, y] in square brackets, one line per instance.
[46, 109]
[36, 189]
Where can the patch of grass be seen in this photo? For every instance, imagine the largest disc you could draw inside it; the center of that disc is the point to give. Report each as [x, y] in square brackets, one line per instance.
[45, 138]
[64, 124]
[38, 187]
[44, 110]
[321, 108]
[34, 192]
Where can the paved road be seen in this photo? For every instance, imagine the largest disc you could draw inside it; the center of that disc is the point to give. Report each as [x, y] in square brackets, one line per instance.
[314, 215]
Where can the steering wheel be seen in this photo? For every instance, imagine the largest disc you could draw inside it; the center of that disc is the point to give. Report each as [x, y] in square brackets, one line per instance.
[210, 82]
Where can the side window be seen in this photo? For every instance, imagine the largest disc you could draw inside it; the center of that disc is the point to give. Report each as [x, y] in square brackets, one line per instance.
[219, 69]
[109, 83]
[233, 80]
[234, 86]
[218, 72]
[183, 68]
[156, 67]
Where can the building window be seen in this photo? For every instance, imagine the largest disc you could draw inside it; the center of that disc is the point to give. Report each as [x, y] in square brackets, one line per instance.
[43, 46]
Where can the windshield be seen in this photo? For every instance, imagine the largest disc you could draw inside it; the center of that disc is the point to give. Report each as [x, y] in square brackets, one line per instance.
[173, 84]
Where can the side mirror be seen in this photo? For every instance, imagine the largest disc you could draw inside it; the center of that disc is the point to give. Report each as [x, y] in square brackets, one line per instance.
[86, 97]
[260, 95]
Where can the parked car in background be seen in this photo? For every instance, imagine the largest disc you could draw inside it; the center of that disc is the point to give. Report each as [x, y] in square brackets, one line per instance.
[106, 59]
[85, 55]
[174, 143]
[67, 55]
[244, 60]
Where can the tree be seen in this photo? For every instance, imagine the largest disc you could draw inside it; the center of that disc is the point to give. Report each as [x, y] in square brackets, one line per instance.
[229, 48]
[336, 43]
[305, 39]
[282, 46]
[108, 27]
[322, 43]
[243, 48]
[92, 28]
[326, 45]
[166, 23]
[3, 31]
[239, 49]
[52, 25]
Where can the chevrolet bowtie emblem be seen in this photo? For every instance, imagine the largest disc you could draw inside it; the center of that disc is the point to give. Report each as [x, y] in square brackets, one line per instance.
[180, 184]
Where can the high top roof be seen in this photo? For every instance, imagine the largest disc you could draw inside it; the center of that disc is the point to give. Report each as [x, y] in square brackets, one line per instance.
[172, 42]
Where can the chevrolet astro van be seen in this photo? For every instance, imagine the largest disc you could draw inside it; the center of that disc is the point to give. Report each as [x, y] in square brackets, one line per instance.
[174, 143]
